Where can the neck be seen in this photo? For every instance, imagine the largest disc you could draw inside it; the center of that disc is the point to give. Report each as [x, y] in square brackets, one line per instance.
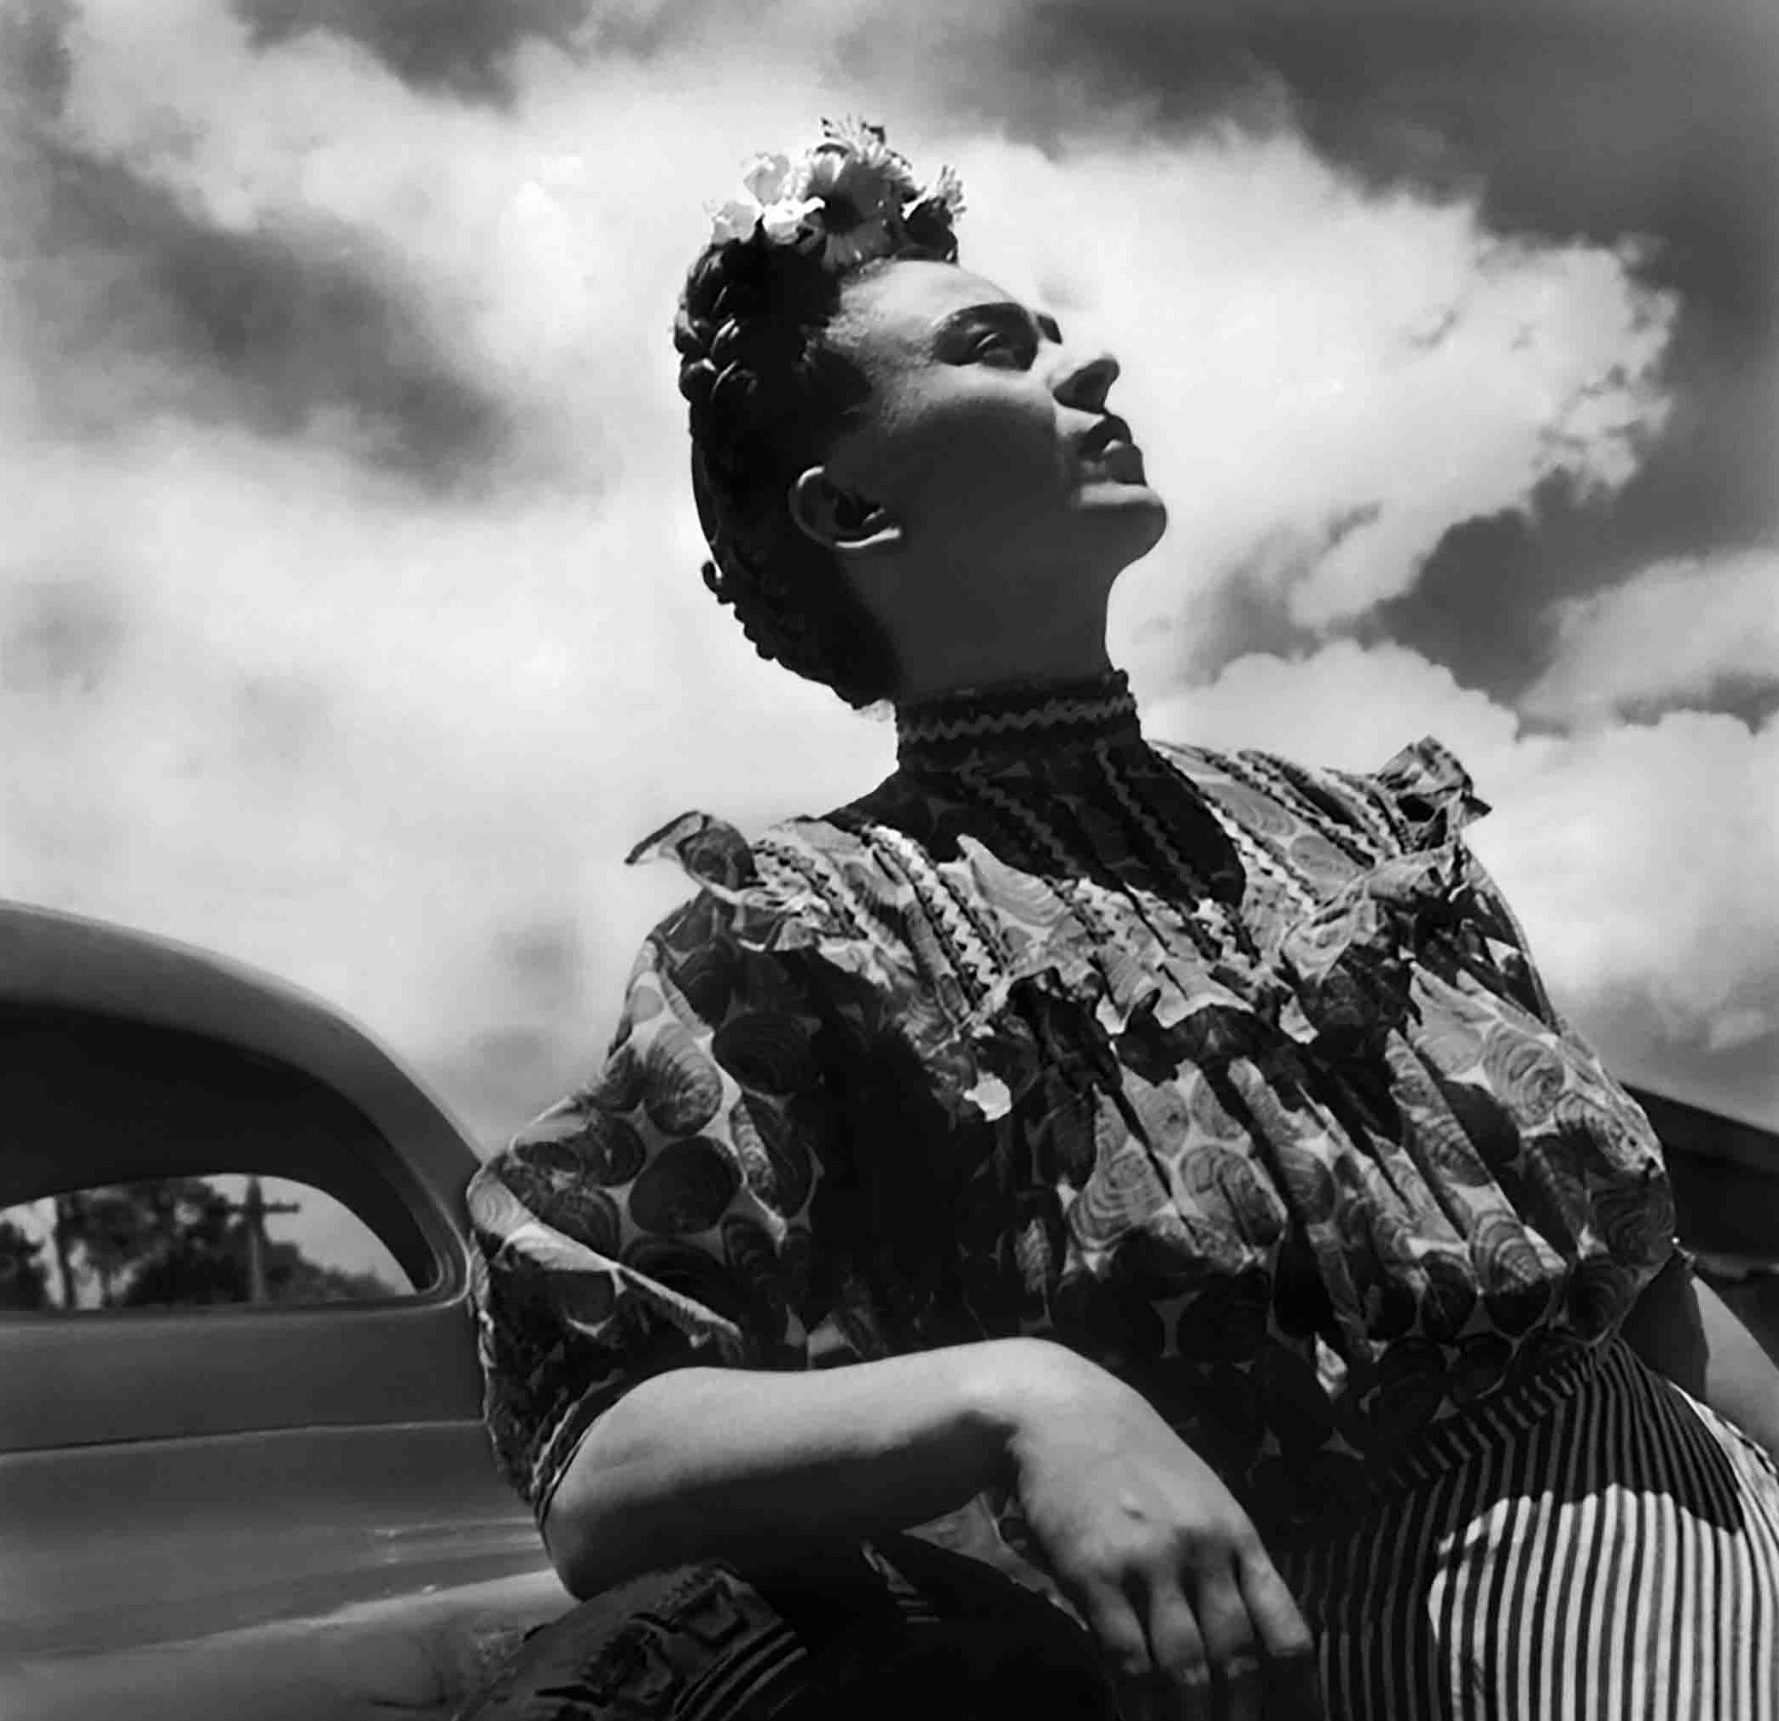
[960, 672]
[989, 633]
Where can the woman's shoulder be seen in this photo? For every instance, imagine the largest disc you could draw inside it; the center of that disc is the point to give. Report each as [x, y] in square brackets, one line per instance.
[803, 883]
[1421, 797]
[777, 863]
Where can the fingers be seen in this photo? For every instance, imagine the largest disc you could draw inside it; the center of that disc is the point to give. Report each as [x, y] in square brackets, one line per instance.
[1124, 1645]
[1284, 1639]
[1177, 1648]
[1231, 1647]
[1236, 1649]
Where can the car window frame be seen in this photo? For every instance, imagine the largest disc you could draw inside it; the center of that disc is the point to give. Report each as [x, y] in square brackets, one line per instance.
[93, 1376]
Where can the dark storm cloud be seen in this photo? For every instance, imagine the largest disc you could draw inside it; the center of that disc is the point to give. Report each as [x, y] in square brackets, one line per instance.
[136, 307]
[466, 48]
[1569, 121]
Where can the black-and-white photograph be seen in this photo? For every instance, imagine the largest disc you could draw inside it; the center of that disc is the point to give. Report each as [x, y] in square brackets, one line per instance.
[862, 860]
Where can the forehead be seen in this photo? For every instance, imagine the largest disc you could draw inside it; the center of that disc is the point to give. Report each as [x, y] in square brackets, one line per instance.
[896, 311]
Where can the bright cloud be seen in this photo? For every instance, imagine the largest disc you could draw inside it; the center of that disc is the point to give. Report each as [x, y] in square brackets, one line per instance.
[1680, 630]
[271, 689]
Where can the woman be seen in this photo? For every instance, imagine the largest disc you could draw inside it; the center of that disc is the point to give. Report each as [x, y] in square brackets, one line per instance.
[1223, 1233]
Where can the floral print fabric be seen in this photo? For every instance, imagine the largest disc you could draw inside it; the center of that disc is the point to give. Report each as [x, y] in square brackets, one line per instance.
[1232, 1074]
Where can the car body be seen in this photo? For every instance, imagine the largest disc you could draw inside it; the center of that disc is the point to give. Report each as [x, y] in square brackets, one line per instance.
[237, 1511]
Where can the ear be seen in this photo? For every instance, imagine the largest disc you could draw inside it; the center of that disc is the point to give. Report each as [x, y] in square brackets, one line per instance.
[839, 520]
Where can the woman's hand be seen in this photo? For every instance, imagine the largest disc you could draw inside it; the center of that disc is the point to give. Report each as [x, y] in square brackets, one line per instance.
[1154, 1551]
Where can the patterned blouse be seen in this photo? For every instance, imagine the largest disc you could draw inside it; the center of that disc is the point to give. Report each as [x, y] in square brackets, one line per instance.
[1233, 1075]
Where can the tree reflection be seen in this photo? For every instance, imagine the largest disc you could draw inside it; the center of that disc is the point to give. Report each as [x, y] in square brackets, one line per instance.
[163, 1243]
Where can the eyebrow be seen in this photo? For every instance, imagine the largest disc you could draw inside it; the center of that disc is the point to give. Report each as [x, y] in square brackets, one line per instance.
[1001, 311]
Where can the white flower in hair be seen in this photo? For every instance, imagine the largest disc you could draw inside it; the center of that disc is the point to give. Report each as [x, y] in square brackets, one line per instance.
[929, 219]
[768, 203]
[945, 194]
[848, 200]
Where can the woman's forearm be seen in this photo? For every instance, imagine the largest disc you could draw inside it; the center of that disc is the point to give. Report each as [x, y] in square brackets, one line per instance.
[711, 1462]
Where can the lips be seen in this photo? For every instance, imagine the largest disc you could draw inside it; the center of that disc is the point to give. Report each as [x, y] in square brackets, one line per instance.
[1104, 433]
[1107, 451]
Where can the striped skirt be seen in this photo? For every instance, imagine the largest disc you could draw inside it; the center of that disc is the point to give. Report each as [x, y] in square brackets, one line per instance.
[1598, 1546]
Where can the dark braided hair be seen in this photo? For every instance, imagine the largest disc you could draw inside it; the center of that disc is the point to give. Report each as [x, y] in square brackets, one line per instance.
[767, 396]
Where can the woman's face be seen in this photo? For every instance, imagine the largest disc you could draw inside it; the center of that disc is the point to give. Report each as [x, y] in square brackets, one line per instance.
[986, 436]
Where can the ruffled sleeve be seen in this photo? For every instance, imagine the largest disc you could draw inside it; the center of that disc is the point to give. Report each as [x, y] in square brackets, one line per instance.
[1431, 799]
[1577, 1124]
[660, 1215]
[1430, 795]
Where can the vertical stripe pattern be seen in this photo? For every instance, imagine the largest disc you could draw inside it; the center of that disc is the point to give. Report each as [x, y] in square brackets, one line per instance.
[1597, 1546]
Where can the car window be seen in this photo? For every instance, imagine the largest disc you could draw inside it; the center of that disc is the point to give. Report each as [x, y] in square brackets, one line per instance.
[190, 1241]
[126, 1141]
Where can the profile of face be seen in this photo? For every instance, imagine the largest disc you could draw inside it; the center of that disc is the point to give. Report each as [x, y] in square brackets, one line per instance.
[986, 447]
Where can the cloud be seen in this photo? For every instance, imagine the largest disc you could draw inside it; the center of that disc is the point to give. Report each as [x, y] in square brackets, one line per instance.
[466, 50]
[364, 642]
[299, 326]
[1566, 116]
[1680, 631]
[1345, 706]
[1487, 598]
[35, 61]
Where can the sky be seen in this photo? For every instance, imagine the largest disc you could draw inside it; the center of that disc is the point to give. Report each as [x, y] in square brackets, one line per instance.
[350, 618]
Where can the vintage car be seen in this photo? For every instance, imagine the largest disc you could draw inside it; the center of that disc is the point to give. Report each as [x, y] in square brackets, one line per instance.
[275, 1509]
[264, 1510]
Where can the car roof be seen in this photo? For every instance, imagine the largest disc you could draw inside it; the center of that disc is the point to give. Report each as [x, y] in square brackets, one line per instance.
[54, 961]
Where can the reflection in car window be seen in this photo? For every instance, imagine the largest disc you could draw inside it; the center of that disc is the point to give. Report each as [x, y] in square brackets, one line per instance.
[183, 1242]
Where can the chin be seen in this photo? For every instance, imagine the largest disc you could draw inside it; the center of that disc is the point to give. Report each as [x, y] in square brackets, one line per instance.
[1106, 526]
[1136, 516]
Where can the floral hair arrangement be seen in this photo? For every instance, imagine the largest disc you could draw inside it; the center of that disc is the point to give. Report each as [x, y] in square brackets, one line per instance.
[847, 201]
[766, 392]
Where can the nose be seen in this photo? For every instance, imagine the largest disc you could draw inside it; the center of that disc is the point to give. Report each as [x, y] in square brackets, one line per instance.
[1085, 383]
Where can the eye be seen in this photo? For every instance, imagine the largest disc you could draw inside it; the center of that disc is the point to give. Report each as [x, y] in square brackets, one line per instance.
[999, 344]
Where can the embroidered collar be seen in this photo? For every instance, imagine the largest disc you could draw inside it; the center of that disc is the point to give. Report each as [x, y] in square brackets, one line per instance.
[1014, 722]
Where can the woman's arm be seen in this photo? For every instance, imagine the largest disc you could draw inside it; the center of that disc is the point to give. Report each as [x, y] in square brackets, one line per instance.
[720, 1462]
[1144, 1538]
[1683, 1329]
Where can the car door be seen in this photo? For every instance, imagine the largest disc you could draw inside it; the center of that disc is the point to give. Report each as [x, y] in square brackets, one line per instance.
[253, 1508]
